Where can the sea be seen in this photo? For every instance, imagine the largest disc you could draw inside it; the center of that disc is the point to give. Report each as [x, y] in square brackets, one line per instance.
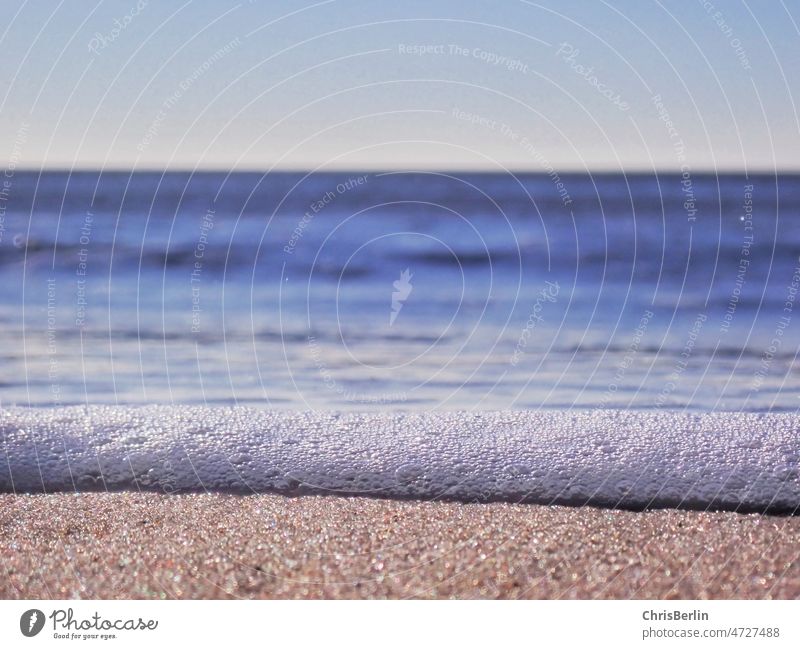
[465, 316]
[402, 291]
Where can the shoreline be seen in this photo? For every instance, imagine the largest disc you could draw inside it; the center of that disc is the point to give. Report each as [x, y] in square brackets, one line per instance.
[611, 458]
[142, 545]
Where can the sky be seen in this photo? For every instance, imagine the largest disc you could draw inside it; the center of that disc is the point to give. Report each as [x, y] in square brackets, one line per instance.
[449, 84]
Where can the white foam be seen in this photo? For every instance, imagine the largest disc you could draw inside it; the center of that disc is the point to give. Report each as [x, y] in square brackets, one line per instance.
[610, 458]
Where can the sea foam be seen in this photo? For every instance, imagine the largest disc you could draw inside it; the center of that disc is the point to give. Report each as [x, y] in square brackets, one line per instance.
[632, 459]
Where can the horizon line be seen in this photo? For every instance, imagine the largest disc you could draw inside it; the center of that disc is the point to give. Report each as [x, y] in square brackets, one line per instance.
[634, 171]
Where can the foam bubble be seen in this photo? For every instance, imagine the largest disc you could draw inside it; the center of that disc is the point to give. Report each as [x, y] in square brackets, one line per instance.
[744, 461]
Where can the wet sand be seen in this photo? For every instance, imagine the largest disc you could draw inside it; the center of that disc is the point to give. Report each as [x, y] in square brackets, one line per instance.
[132, 545]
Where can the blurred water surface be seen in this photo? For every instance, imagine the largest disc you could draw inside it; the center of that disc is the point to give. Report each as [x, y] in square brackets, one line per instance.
[368, 290]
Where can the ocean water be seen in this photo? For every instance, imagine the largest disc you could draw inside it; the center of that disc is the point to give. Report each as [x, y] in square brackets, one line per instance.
[371, 291]
[606, 339]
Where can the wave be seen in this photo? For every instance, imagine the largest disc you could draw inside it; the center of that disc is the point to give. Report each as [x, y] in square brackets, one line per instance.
[626, 459]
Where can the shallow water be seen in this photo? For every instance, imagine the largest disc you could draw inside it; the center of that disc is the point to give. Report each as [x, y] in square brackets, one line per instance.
[287, 291]
[634, 459]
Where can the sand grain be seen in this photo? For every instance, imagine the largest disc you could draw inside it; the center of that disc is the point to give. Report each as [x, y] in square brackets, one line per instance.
[133, 545]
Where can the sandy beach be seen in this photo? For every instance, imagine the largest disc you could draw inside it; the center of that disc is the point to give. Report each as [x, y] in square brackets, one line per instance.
[134, 545]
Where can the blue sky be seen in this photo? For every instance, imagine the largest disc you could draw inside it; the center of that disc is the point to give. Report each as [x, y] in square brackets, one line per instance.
[449, 84]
